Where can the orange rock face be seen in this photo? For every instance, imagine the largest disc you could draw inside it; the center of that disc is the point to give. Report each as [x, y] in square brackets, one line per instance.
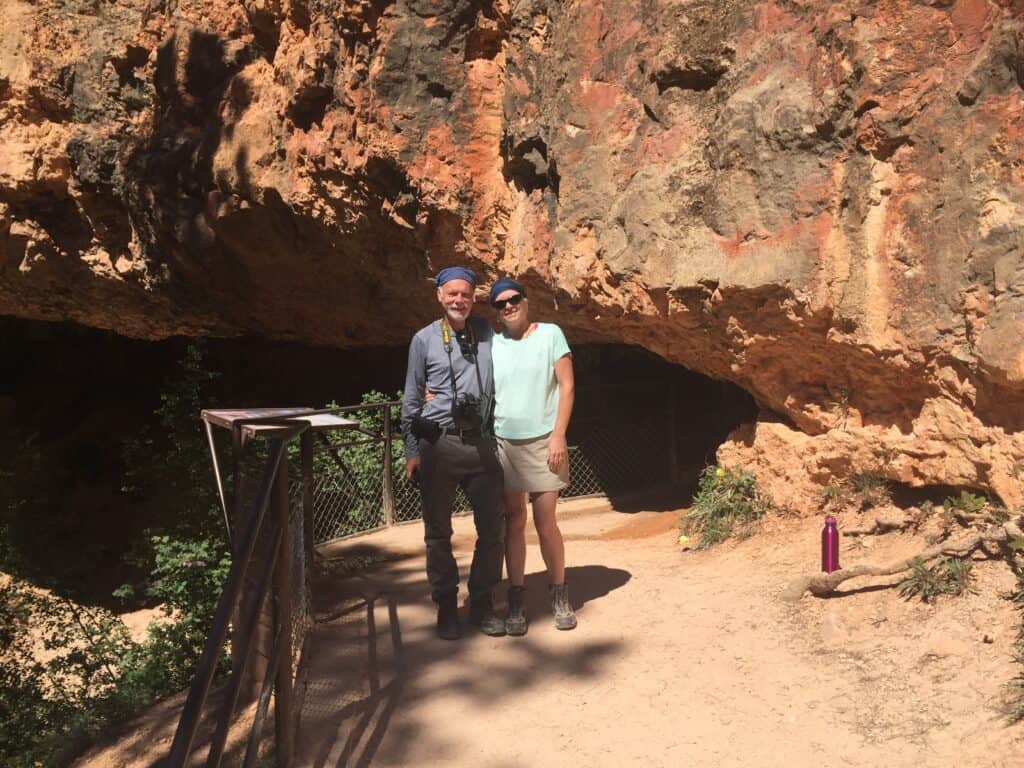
[820, 201]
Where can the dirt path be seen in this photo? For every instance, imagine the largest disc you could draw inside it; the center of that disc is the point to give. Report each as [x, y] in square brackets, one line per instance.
[679, 659]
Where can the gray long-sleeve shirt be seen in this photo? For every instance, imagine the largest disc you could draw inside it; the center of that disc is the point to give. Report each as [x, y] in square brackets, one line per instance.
[428, 370]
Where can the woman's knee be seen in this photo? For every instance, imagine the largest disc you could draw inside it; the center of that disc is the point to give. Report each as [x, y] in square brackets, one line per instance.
[515, 513]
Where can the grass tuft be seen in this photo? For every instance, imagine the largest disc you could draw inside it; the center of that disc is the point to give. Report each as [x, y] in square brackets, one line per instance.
[949, 576]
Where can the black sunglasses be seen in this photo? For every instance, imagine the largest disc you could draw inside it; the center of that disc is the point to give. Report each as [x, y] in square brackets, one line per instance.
[500, 304]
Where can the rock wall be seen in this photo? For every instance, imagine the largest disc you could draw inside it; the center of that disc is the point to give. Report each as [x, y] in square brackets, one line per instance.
[819, 201]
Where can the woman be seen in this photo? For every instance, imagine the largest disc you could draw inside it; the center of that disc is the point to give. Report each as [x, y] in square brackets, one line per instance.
[534, 389]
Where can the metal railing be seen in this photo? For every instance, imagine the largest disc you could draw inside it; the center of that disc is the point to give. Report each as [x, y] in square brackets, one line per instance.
[341, 483]
[360, 484]
[242, 606]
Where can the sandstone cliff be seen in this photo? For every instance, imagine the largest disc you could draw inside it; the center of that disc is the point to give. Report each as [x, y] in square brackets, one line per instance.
[819, 201]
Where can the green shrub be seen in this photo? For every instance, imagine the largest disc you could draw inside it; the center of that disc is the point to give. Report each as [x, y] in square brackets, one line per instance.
[874, 490]
[831, 495]
[965, 502]
[53, 702]
[949, 576]
[92, 673]
[1015, 705]
[350, 477]
[728, 503]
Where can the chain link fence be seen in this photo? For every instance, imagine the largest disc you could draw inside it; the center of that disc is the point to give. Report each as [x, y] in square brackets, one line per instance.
[353, 493]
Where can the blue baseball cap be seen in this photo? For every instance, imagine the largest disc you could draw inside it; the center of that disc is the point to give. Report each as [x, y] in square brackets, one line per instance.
[455, 273]
[505, 284]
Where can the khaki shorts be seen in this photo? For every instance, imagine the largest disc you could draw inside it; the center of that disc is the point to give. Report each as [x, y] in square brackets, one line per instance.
[525, 464]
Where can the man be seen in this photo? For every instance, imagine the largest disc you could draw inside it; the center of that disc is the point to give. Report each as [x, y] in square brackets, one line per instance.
[449, 443]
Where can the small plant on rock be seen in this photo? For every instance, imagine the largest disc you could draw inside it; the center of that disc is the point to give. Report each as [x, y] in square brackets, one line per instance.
[950, 576]
[874, 490]
[728, 503]
[1015, 708]
[966, 503]
[831, 496]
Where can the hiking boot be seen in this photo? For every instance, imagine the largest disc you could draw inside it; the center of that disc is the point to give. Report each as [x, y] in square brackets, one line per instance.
[565, 617]
[515, 619]
[481, 614]
[448, 618]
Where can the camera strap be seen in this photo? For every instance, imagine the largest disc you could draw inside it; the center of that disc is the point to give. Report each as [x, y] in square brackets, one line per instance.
[446, 337]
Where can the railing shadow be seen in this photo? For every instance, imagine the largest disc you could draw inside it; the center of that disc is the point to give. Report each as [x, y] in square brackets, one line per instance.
[359, 723]
[376, 673]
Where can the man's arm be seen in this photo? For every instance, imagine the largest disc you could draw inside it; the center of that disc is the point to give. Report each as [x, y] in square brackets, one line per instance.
[412, 400]
[558, 450]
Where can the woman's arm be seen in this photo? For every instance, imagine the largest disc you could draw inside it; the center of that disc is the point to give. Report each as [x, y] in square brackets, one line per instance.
[558, 450]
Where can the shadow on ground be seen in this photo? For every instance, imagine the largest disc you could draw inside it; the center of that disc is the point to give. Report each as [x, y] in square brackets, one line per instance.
[376, 666]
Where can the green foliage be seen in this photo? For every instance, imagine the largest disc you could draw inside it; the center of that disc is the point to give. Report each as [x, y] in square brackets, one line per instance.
[60, 675]
[187, 580]
[1015, 708]
[831, 495]
[966, 502]
[885, 454]
[728, 503]
[168, 469]
[840, 408]
[873, 490]
[949, 576]
[68, 670]
[349, 472]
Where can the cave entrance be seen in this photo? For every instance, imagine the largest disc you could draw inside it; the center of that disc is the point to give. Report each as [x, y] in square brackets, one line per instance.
[643, 429]
[79, 406]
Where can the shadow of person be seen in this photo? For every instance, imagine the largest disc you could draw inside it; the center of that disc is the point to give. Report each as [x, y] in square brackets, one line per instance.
[586, 583]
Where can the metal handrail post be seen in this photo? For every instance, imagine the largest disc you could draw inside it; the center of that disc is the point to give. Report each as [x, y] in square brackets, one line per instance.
[284, 735]
[306, 460]
[185, 733]
[389, 482]
[247, 637]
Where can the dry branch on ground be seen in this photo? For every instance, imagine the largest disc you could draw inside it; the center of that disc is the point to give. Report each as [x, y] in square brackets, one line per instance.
[820, 584]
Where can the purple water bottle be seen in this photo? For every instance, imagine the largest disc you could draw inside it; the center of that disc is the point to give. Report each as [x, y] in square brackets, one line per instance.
[830, 546]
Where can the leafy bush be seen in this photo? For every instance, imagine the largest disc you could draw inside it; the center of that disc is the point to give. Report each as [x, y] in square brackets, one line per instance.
[966, 502]
[1015, 708]
[187, 580]
[60, 670]
[350, 477]
[69, 670]
[728, 503]
[874, 490]
[831, 496]
[949, 576]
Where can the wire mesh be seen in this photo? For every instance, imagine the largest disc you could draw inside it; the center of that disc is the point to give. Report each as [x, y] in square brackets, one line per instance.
[349, 487]
[251, 468]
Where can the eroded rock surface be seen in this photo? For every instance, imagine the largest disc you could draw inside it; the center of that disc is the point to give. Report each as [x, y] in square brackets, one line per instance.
[820, 201]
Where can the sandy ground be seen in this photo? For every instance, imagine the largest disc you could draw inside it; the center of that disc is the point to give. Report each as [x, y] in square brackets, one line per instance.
[680, 658]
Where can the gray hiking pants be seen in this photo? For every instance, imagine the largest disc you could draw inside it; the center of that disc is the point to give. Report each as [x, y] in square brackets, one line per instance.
[445, 465]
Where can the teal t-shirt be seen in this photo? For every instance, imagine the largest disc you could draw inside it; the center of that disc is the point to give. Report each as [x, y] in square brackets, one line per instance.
[525, 387]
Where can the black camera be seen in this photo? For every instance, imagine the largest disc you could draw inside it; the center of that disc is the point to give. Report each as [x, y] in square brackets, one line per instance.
[467, 412]
[425, 429]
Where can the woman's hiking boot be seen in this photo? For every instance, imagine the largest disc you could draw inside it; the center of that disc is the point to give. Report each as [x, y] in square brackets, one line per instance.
[481, 614]
[515, 619]
[565, 617]
[448, 618]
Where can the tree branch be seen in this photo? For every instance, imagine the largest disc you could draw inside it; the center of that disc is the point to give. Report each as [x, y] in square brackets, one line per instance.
[820, 584]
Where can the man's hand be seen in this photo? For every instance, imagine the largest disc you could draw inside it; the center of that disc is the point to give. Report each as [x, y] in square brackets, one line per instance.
[412, 465]
[558, 452]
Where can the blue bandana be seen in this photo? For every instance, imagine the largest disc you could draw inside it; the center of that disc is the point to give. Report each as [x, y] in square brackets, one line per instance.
[505, 284]
[455, 273]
